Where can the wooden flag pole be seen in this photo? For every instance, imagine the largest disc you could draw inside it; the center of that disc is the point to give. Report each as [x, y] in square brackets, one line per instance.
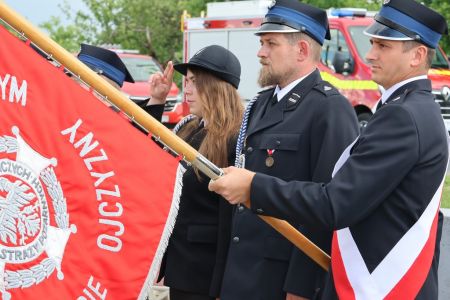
[146, 121]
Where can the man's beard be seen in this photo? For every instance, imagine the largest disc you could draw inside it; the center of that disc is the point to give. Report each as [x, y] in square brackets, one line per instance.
[268, 78]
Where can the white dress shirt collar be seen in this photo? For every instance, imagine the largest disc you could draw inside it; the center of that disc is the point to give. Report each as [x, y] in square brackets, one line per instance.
[396, 86]
[284, 91]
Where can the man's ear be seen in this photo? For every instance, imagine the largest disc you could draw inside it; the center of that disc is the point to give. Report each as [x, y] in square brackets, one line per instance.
[304, 49]
[419, 56]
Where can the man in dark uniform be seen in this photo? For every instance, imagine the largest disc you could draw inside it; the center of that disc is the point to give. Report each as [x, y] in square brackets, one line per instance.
[295, 131]
[383, 201]
[110, 67]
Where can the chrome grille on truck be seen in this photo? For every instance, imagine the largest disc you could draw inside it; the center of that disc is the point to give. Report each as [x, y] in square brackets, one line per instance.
[445, 104]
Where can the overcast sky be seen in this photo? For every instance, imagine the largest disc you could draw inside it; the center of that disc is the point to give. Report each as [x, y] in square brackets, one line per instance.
[39, 11]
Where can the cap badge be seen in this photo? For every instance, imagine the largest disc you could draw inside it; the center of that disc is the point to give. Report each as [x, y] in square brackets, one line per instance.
[386, 2]
[327, 88]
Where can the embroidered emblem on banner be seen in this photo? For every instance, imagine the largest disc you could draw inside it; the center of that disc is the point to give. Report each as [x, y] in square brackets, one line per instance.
[26, 234]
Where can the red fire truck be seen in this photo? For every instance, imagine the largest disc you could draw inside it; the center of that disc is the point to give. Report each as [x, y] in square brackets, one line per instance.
[342, 58]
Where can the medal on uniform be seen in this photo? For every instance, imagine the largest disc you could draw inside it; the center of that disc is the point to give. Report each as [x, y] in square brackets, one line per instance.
[269, 159]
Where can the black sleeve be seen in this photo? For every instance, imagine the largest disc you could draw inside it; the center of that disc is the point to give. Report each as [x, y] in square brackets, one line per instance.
[385, 152]
[335, 126]
[155, 110]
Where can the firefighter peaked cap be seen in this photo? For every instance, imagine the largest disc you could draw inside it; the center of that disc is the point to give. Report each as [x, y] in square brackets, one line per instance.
[216, 60]
[106, 62]
[408, 20]
[286, 16]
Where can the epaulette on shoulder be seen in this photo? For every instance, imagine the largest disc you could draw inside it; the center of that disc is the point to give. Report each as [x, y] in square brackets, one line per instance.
[326, 88]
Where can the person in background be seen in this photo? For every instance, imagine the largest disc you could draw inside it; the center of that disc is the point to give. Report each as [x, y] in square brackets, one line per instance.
[383, 201]
[295, 130]
[197, 250]
[110, 67]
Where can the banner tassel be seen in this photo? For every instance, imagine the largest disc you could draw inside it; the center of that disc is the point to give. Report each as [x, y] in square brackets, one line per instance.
[168, 228]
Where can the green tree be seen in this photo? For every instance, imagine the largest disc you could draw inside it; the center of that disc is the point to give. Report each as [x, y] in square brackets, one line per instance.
[443, 7]
[151, 26]
[325, 4]
[80, 30]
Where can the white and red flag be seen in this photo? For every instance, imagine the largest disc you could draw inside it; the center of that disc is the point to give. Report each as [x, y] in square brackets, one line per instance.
[84, 196]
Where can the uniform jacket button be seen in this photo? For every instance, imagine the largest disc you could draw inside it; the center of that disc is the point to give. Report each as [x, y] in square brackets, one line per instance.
[249, 150]
[240, 208]
[236, 239]
[259, 210]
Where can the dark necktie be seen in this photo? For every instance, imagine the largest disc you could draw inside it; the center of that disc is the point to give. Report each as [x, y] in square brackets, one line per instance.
[379, 105]
[270, 105]
[274, 99]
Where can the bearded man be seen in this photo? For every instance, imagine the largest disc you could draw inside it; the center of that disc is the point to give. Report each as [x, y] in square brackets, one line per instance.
[294, 130]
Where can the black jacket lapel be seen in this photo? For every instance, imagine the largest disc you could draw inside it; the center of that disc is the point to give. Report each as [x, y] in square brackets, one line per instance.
[416, 85]
[258, 109]
[289, 102]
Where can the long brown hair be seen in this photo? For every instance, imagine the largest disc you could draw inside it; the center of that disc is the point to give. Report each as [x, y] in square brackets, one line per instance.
[223, 110]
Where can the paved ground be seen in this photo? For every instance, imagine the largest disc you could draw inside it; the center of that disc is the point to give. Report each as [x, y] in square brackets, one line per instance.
[444, 261]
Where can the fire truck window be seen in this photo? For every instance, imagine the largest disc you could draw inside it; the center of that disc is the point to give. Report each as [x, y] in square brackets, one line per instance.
[360, 40]
[439, 60]
[140, 68]
[336, 43]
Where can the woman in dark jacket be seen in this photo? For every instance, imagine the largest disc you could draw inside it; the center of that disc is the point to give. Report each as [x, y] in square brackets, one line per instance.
[195, 257]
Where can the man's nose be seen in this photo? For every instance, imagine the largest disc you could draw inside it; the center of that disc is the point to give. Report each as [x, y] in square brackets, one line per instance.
[370, 55]
[262, 52]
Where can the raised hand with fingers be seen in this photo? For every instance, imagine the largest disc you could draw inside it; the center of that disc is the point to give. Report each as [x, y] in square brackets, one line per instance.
[160, 85]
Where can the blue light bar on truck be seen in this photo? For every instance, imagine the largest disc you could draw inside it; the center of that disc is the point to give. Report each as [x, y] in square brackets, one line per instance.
[348, 12]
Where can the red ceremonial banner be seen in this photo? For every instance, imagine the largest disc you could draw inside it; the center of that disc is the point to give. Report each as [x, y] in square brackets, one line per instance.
[84, 196]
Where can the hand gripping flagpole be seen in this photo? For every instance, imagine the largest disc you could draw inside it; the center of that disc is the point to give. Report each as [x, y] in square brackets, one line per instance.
[149, 123]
